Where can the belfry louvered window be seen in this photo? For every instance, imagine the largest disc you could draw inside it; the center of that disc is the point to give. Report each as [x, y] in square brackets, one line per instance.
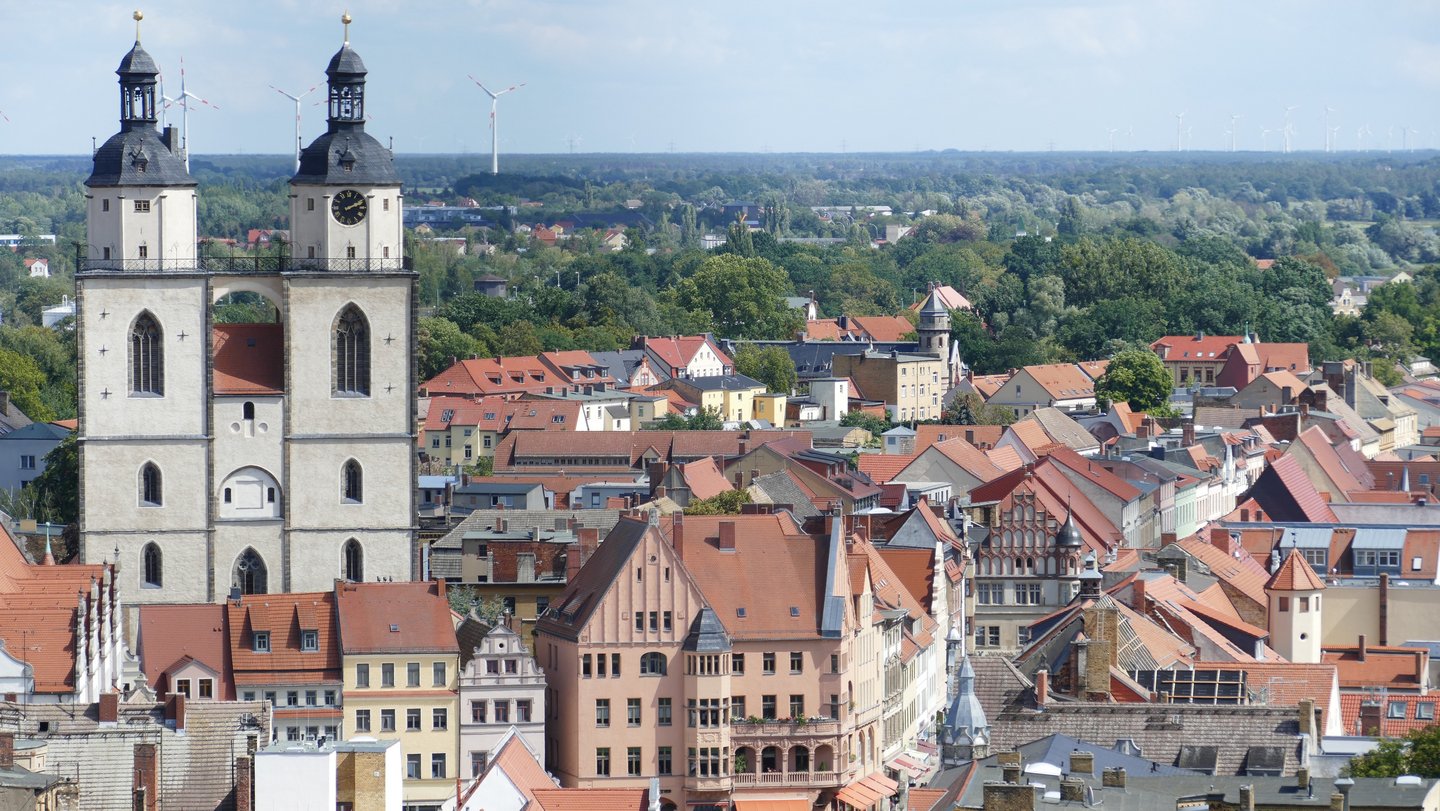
[352, 352]
[147, 356]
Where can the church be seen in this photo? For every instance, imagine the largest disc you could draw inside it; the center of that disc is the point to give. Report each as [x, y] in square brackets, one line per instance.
[265, 447]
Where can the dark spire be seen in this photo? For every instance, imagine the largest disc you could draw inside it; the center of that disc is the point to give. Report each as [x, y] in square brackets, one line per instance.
[1068, 536]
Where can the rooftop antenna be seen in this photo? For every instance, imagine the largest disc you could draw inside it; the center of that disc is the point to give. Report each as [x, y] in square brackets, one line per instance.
[295, 99]
[494, 129]
[1179, 132]
[183, 101]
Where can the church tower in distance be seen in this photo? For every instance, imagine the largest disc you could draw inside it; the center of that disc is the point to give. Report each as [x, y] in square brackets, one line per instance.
[246, 422]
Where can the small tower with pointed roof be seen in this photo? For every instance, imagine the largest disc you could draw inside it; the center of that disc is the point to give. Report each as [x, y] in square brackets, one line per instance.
[934, 327]
[1294, 592]
[966, 735]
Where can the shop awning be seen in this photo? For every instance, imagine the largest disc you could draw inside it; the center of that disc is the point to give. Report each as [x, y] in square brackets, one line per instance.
[771, 805]
[904, 763]
[867, 791]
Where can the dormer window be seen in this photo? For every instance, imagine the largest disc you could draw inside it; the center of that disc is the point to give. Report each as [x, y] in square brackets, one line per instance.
[347, 160]
[309, 640]
[261, 641]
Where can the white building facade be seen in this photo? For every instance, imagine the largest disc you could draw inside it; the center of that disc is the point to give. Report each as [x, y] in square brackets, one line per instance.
[502, 688]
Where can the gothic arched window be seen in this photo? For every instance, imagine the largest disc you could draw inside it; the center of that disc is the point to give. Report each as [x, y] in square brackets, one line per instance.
[250, 574]
[150, 565]
[352, 483]
[147, 356]
[353, 561]
[352, 352]
[151, 494]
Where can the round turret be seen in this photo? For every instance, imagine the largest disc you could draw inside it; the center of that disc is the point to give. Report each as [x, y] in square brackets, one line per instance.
[1068, 536]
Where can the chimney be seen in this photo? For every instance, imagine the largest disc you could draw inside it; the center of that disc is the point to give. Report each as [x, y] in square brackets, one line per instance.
[1361, 648]
[1369, 720]
[1113, 777]
[1138, 589]
[244, 785]
[1187, 431]
[1302, 778]
[1220, 539]
[1247, 798]
[7, 750]
[1307, 716]
[677, 534]
[1008, 797]
[1142, 431]
[727, 535]
[145, 778]
[1337, 802]
[175, 710]
[1072, 789]
[1385, 608]
[1042, 688]
[1010, 772]
[1082, 762]
[109, 708]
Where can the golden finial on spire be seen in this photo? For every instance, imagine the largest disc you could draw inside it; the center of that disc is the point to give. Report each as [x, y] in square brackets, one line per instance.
[137, 16]
[345, 19]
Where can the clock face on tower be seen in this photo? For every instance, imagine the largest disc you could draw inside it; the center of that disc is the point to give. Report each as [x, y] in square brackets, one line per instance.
[348, 207]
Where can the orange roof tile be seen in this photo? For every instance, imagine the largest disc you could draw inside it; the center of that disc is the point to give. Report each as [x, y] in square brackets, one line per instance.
[704, 478]
[981, 436]
[170, 634]
[1294, 574]
[1389, 666]
[249, 358]
[882, 467]
[285, 617]
[592, 799]
[1350, 704]
[384, 617]
[1062, 381]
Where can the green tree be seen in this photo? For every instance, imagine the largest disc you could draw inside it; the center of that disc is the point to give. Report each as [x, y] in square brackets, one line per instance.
[1418, 753]
[744, 298]
[770, 365]
[438, 341]
[729, 502]
[57, 488]
[970, 409]
[738, 240]
[466, 599]
[706, 419]
[22, 378]
[860, 419]
[1135, 376]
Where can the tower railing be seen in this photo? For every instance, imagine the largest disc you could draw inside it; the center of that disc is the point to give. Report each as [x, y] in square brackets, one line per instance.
[242, 264]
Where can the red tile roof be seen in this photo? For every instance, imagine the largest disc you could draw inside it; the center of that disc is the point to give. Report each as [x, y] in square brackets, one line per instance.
[1062, 381]
[38, 623]
[969, 458]
[395, 617]
[1350, 704]
[1389, 666]
[1175, 348]
[170, 634]
[773, 569]
[1294, 574]
[284, 616]
[249, 358]
[592, 799]
[950, 299]
[704, 478]
[680, 350]
[882, 328]
[883, 467]
[981, 436]
[479, 376]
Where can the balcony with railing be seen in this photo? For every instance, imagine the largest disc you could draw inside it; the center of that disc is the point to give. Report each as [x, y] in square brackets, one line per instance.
[811, 764]
[245, 264]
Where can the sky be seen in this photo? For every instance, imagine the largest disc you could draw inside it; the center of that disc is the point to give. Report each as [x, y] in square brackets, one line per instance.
[782, 76]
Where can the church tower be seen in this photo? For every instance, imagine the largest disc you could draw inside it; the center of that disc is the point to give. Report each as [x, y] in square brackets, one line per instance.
[245, 423]
[934, 327]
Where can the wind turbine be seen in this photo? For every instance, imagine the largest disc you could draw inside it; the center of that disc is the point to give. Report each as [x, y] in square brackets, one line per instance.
[295, 99]
[1328, 111]
[1234, 129]
[1111, 133]
[1179, 132]
[1289, 129]
[494, 129]
[1265, 139]
[6, 117]
[183, 101]
[1360, 133]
